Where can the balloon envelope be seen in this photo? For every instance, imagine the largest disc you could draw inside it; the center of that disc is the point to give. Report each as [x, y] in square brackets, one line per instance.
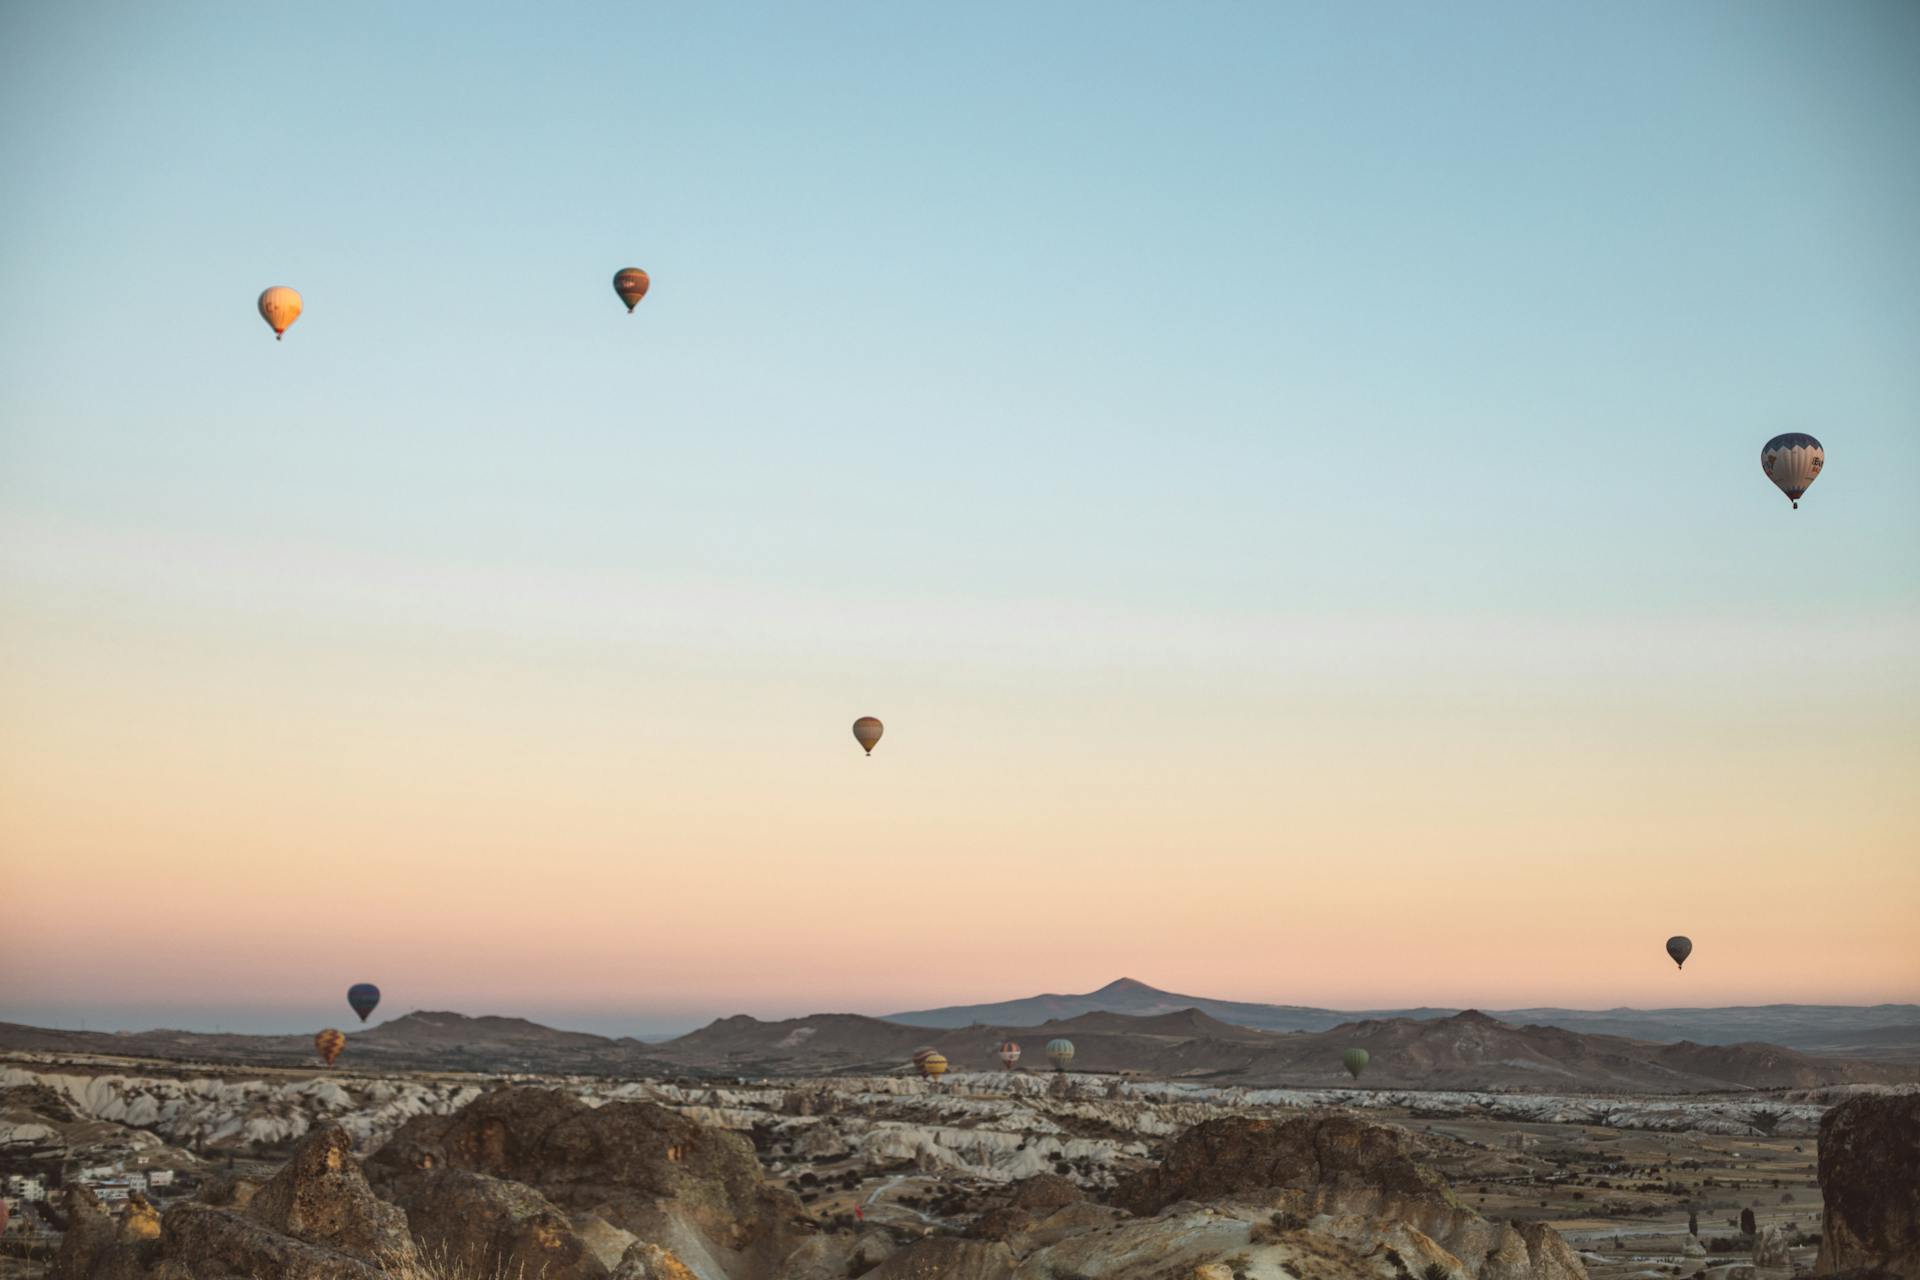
[1793, 461]
[364, 997]
[330, 1042]
[1009, 1053]
[631, 284]
[1060, 1053]
[280, 307]
[933, 1065]
[1680, 947]
[867, 731]
[1355, 1061]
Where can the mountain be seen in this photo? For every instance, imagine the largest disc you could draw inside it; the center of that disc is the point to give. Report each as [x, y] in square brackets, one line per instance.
[1880, 1030]
[1128, 996]
[419, 1041]
[1469, 1051]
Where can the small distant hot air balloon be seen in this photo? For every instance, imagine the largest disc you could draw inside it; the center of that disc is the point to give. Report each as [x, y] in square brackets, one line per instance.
[280, 307]
[631, 283]
[1793, 461]
[924, 1052]
[933, 1066]
[867, 731]
[330, 1042]
[364, 997]
[1679, 947]
[1059, 1053]
[1009, 1054]
[1355, 1061]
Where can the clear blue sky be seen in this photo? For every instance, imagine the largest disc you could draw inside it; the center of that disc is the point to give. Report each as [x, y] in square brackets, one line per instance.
[1468, 317]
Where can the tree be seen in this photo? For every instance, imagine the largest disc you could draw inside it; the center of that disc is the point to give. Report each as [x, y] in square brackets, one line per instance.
[1746, 1222]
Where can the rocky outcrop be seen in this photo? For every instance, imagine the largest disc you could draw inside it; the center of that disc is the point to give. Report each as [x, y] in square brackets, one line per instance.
[1322, 1195]
[321, 1197]
[947, 1258]
[1870, 1180]
[651, 1262]
[316, 1219]
[695, 1190]
[200, 1240]
[487, 1226]
[1772, 1248]
[835, 1257]
[1199, 1242]
[93, 1247]
[1241, 1155]
[1024, 1203]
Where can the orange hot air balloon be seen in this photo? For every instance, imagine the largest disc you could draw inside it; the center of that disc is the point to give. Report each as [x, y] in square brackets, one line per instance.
[632, 285]
[280, 307]
[867, 731]
[330, 1042]
[1009, 1053]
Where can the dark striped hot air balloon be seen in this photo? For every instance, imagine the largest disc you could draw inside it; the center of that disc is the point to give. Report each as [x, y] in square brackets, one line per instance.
[867, 731]
[1009, 1054]
[631, 283]
[1679, 947]
[330, 1042]
[364, 997]
[1793, 461]
[1059, 1053]
[924, 1052]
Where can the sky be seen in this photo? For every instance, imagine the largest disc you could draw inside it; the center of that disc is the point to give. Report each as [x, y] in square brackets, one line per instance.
[1286, 475]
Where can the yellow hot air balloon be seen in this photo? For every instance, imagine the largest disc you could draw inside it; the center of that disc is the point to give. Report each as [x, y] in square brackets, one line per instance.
[933, 1066]
[867, 731]
[330, 1042]
[280, 307]
[631, 284]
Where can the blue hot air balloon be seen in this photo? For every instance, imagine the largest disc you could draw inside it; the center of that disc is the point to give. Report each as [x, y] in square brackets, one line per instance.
[363, 996]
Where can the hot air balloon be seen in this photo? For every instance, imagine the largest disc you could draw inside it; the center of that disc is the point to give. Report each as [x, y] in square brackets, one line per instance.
[1009, 1054]
[1793, 463]
[1059, 1053]
[1355, 1061]
[1679, 947]
[867, 731]
[631, 284]
[924, 1052]
[280, 307]
[330, 1042]
[933, 1066]
[363, 996]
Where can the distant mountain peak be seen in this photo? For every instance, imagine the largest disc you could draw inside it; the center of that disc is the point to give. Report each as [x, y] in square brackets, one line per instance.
[1128, 986]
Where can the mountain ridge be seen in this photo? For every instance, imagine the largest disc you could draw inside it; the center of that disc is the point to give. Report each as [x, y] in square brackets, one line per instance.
[1894, 1028]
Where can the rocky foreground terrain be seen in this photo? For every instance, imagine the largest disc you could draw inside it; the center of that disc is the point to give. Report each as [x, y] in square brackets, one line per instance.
[991, 1174]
